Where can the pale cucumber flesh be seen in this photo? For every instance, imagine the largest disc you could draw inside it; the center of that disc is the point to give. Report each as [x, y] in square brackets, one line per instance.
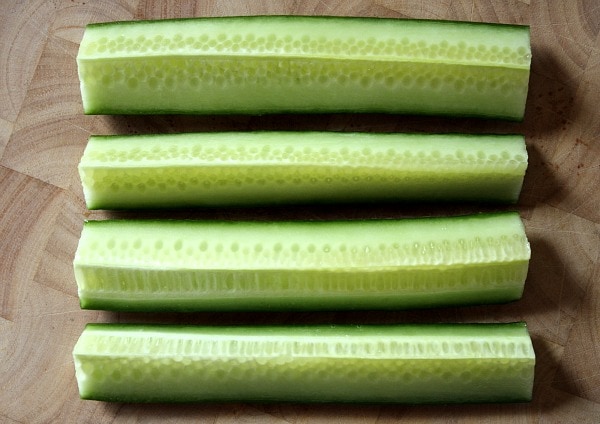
[415, 363]
[305, 64]
[233, 168]
[371, 264]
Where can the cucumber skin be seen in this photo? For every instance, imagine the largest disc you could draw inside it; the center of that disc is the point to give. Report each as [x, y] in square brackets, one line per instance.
[293, 298]
[283, 18]
[451, 105]
[283, 383]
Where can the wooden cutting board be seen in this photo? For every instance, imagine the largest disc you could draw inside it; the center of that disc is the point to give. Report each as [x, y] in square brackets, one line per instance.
[43, 133]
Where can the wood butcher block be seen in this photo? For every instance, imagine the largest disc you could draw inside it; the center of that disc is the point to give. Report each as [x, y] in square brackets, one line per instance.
[43, 133]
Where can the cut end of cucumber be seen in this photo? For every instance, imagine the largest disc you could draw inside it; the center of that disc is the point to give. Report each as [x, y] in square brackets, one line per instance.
[446, 363]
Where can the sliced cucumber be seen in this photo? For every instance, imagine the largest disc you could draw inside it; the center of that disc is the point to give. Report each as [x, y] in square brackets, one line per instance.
[232, 265]
[271, 64]
[232, 168]
[436, 363]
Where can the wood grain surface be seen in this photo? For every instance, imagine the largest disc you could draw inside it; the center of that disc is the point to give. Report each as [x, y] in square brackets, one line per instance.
[43, 133]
